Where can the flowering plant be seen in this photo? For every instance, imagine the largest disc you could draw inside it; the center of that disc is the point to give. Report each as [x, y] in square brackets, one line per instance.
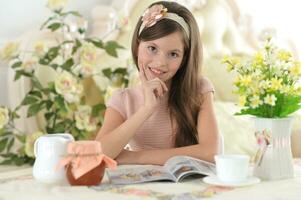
[74, 59]
[268, 84]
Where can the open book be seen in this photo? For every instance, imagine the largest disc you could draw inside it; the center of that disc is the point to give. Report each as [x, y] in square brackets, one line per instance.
[175, 169]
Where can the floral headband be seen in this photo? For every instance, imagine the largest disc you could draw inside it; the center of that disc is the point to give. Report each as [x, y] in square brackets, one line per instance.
[157, 12]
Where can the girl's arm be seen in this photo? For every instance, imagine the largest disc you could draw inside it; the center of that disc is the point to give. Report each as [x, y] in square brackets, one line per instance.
[116, 132]
[206, 149]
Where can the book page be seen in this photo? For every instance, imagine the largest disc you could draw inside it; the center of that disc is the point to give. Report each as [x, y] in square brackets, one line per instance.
[139, 174]
[182, 166]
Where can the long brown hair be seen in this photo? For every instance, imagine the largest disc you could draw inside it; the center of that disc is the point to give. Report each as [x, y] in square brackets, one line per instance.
[184, 94]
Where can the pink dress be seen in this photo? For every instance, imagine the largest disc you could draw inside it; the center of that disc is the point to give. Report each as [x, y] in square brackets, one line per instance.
[156, 132]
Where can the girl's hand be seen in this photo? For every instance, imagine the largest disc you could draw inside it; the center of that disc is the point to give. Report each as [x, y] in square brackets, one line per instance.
[153, 88]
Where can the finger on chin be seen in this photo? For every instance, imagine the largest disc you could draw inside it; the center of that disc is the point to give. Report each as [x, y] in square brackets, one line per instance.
[149, 74]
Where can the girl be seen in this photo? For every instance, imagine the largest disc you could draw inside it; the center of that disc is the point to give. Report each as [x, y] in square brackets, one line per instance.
[171, 112]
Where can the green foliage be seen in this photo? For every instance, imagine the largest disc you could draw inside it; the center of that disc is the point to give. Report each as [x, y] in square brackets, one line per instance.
[61, 101]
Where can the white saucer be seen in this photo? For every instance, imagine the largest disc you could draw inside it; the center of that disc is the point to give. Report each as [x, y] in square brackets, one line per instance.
[213, 180]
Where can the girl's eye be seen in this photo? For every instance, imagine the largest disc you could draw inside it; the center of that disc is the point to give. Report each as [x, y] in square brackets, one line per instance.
[174, 55]
[152, 49]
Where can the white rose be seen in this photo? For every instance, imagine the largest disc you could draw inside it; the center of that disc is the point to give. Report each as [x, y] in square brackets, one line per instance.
[10, 50]
[29, 64]
[84, 69]
[68, 87]
[56, 4]
[40, 48]
[83, 119]
[4, 118]
[88, 54]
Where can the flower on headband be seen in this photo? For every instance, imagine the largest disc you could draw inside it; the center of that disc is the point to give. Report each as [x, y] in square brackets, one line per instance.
[153, 14]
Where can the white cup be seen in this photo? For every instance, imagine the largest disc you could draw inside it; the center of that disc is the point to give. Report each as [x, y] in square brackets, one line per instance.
[232, 167]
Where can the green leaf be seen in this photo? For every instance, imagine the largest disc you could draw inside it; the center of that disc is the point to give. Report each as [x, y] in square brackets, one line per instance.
[74, 13]
[290, 105]
[34, 109]
[62, 126]
[120, 70]
[10, 144]
[68, 64]
[48, 20]
[60, 103]
[49, 104]
[76, 46]
[18, 160]
[53, 27]
[50, 55]
[5, 132]
[107, 72]
[35, 93]
[111, 48]
[6, 162]
[51, 88]
[54, 66]
[81, 30]
[16, 64]
[289, 109]
[98, 43]
[36, 83]
[97, 108]
[21, 138]
[29, 100]
[3, 144]
[15, 115]
[49, 115]
[17, 75]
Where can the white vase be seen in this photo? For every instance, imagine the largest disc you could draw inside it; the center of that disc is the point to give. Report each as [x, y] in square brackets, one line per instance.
[276, 161]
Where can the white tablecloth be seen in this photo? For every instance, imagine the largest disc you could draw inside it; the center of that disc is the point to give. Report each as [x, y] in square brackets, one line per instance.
[18, 184]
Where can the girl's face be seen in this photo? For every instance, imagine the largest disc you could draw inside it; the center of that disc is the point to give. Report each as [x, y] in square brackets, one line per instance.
[161, 57]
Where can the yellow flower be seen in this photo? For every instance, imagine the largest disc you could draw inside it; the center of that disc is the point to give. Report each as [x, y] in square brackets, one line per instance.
[276, 84]
[242, 100]
[230, 61]
[4, 117]
[270, 99]
[56, 4]
[230, 67]
[246, 80]
[258, 59]
[295, 70]
[255, 101]
[10, 50]
[284, 55]
[29, 143]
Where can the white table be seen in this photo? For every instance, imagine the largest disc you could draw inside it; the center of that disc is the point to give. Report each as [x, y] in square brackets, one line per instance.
[18, 184]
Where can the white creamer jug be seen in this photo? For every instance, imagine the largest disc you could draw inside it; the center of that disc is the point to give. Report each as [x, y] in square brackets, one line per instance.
[48, 150]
